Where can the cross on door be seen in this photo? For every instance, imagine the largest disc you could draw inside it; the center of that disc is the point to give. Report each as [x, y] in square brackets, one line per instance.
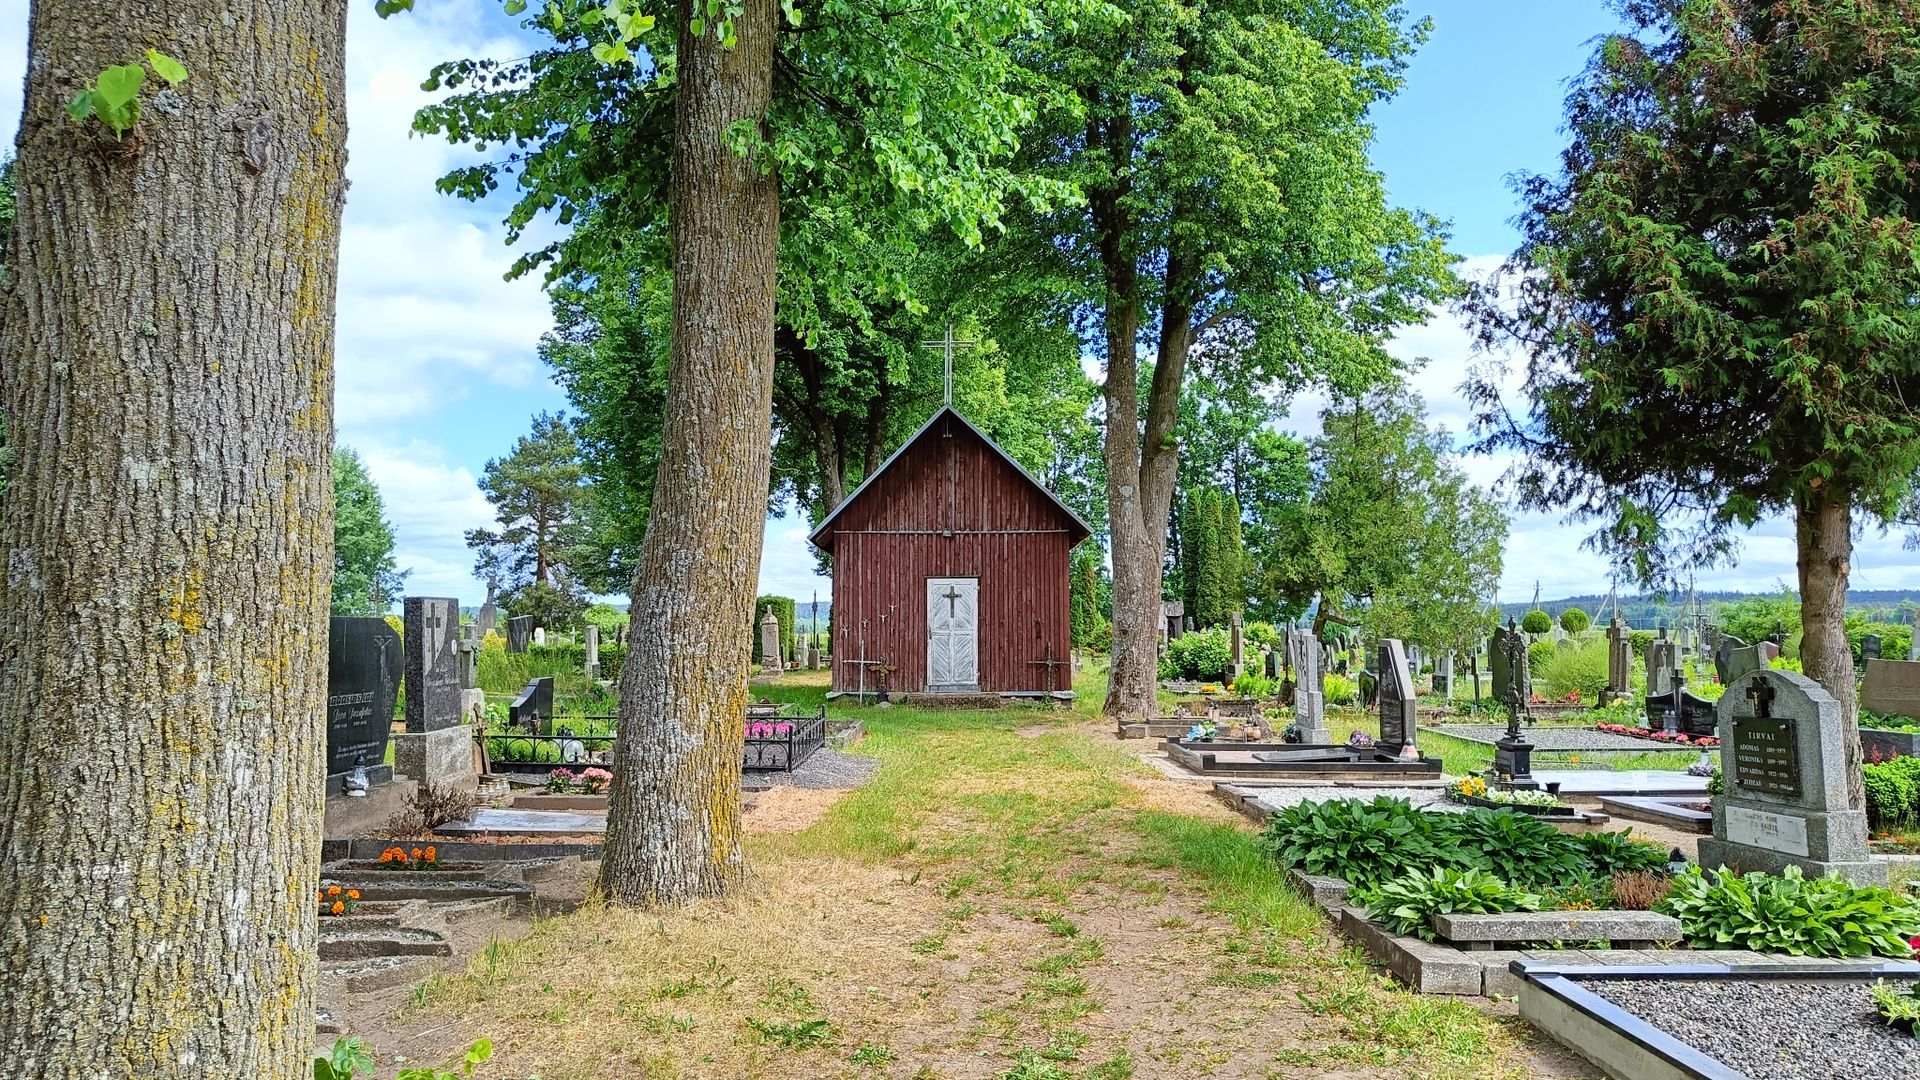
[952, 597]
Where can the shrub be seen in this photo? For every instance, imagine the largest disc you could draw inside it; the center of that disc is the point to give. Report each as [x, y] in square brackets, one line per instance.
[1262, 633]
[1102, 639]
[1339, 689]
[1539, 654]
[1206, 655]
[1611, 853]
[1536, 622]
[1406, 905]
[1898, 1006]
[1827, 917]
[431, 807]
[1639, 640]
[1258, 687]
[1578, 669]
[1361, 842]
[1518, 848]
[1640, 890]
[1574, 621]
[1893, 792]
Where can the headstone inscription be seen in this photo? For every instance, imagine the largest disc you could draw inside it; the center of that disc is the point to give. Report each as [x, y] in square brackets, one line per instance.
[1309, 702]
[363, 681]
[1399, 721]
[770, 642]
[437, 747]
[519, 633]
[1784, 757]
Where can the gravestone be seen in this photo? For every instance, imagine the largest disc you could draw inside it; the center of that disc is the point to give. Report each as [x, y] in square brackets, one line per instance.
[593, 652]
[1309, 701]
[1507, 677]
[1766, 652]
[1723, 651]
[473, 700]
[1237, 645]
[1619, 659]
[364, 664]
[1443, 675]
[519, 633]
[486, 619]
[1784, 758]
[1173, 613]
[1870, 647]
[539, 635]
[1891, 688]
[770, 642]
[1663, 668]
[813, 656]
[1398, 714]
[437, 747]
[532, 710]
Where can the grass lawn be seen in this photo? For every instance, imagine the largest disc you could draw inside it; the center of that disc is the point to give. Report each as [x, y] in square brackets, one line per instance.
[1014, 896]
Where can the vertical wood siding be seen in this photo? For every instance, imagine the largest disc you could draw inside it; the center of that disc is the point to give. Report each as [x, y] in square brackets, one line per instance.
[1005, 533]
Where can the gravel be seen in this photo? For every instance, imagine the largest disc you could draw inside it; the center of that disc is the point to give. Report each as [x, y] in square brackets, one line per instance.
[826, 769]
[1773, 1030]
[1559, 738]
[1277, 799]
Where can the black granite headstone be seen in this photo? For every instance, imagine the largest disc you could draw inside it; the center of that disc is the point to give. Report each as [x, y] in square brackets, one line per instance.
[532, 711]
[363, 680]
[433, 672]
[519, 633]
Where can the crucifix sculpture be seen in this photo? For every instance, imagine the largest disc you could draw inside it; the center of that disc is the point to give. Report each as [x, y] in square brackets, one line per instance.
[1761, 692]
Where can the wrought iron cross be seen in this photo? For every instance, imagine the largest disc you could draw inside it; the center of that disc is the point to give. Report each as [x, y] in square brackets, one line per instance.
[952, 597]
[1761, 694]
[947, 343]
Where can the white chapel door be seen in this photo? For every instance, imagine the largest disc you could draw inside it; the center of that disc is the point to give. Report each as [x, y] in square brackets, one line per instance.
[953, 635]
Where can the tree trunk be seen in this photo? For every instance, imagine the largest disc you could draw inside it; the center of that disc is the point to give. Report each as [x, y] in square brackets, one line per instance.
[673, 822]
[168, 332]
[1825, 538]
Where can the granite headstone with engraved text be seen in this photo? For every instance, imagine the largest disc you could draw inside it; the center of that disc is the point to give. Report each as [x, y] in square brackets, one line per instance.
[437, 747]
[1784, 758]
[364, 665]
[519, 633]
[1398, 715]
[1309, 701]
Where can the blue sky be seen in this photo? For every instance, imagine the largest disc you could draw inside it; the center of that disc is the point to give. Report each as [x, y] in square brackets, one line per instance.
[437, 364]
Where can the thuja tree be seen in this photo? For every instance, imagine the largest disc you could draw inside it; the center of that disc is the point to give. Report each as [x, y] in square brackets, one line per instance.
[1211, 557]
[1232, 216]
[883, 123]
[1715, 299]
[168, 332]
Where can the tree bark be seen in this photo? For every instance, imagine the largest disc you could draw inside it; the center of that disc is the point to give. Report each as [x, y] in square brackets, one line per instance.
[673, 822]
[167, 325]
[1824, 522]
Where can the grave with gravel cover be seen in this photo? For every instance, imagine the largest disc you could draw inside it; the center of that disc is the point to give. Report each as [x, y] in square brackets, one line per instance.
[1774, 1030]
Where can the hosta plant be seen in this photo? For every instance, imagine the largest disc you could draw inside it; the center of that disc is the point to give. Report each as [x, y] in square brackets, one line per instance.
[1612, 853]
[1406, 905]
[1361, 842]
[1791, 913]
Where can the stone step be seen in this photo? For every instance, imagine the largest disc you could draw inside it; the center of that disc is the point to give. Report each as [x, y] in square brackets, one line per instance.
[370, 944]
[1628, 929]
[461, 912]
[380, 973]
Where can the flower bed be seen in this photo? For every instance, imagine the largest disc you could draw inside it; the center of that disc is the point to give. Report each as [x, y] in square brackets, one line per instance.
[1671, 738]
[1473, 791]
[335, 900]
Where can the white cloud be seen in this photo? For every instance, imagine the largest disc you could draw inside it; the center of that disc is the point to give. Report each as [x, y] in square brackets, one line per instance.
[431, 504]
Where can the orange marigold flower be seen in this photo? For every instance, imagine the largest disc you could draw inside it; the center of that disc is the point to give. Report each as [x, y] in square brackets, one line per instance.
[353, 894]
[432, 854]
[319, 894]
[416, 853]
[333, 890]
[339, 907]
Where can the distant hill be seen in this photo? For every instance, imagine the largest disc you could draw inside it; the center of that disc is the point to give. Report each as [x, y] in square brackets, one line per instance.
[1644, 611]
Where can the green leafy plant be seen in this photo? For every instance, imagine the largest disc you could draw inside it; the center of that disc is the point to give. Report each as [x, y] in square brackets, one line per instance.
[114, 97]
[1360, 842]
[798, 1035]
[1899, 1007]
[1518, 848]
[1339, 689]
[1578, 668]
[347, 1058]
[1574, 620]
[1406, 905]
[1206, 655]
[477, 1054]
[1610, 853]
[1258, 687]
[1790, 913]
[1536, 622]
[1893, 791]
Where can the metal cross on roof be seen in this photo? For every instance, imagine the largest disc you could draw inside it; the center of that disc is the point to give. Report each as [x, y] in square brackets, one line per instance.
[946, 344]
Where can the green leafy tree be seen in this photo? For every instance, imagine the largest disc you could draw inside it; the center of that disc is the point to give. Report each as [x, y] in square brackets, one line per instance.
[1757, 618]
[1715, 296]
[537, 491]
[1574, 621]
[1233, 223]
[365, 579]
[1536, 622]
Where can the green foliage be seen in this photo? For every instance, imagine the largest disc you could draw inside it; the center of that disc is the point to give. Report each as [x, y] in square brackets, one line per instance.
[537, 491]
[1896, 639]
[1638, 640]
[1262, 633]
[365, 580]
[1575, 621]
[1339, 689]
[347, 1058]
[1715, 298]
[1518, 848]
[1083, 600]
[1610, 853]
[785, 610]
[1578, 666]
[1406, 905]
[1539, 654]
[1392, 533]
[1206, 655]
[1898, 1006]
[1257, 687]
[115, 96]
[1211, 557]
[1827, 917]
[1755, 618]
[1536, 622]
[1364, 843]
[1893, 792]
[607, 618]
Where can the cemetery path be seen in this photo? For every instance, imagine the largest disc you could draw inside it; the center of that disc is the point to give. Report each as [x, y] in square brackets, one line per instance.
[1001, 902]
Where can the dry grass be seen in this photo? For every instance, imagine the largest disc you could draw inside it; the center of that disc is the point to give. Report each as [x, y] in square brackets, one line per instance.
[1000, 902]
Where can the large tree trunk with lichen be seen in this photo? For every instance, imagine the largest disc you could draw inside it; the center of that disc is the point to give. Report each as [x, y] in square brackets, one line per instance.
[167, 533]
[1824, 521]
[673, 821]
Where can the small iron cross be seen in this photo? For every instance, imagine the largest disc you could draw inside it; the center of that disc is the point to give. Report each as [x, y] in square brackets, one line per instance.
[1761, 694]
[952, 597]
